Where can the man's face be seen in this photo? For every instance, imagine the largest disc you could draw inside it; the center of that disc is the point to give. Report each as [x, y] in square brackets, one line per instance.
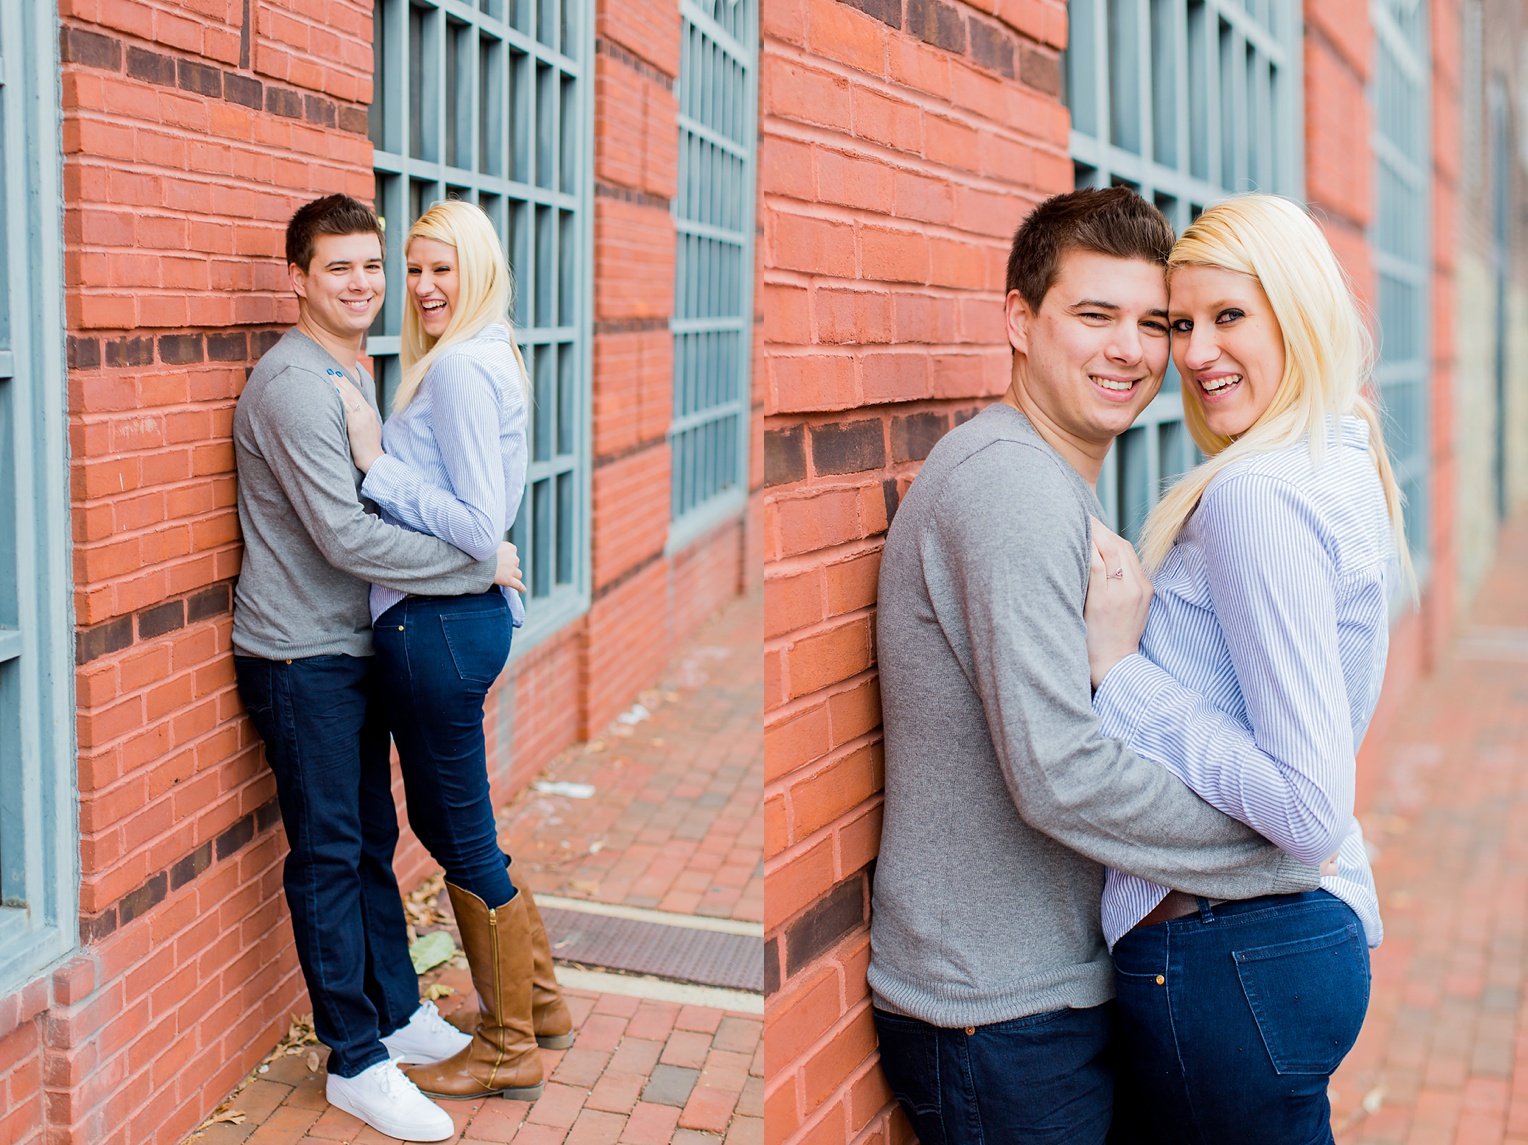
[1096, 350]
[342, 288]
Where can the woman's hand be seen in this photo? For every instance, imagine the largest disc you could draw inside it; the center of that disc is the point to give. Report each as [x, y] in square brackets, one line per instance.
[361, 424]
[508, 575]
[1119, 596]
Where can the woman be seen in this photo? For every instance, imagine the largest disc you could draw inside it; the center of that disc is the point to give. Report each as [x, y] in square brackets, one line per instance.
[1257, 673]
[451, 462]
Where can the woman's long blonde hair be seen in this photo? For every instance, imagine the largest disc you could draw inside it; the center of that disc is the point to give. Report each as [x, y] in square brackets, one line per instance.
[483, 292]
[1328, 354]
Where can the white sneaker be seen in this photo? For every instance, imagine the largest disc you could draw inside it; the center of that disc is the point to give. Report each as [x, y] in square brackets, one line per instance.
[428, 1038]
[390, 1103]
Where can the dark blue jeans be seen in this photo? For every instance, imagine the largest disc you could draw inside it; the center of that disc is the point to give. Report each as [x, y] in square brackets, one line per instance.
[1040, 1080]
[437, 657]
[1233, 1019]
[326, 743]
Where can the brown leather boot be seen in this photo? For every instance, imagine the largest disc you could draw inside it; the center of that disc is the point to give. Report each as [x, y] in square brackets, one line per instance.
[554, 1024]
[503, 1057]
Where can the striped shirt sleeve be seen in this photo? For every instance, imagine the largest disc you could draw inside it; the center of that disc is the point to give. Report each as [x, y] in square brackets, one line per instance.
[464, 418]
[1273, 579]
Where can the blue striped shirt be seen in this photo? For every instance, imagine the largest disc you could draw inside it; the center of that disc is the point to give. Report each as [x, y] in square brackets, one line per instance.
[454, 458]
[1262, 660]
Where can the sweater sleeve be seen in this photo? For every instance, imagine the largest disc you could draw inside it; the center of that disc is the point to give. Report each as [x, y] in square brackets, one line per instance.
[1272, 580]
[1016, 570]
[300, 430]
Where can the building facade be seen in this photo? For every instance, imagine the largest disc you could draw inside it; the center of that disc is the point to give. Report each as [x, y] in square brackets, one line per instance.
[903, 141]
[153, 152]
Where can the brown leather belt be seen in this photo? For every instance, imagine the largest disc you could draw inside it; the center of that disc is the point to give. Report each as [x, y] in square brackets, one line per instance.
[1175, 905]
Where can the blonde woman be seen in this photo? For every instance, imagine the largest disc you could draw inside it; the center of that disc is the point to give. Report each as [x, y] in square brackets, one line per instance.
[451, 462]
[1258, 670]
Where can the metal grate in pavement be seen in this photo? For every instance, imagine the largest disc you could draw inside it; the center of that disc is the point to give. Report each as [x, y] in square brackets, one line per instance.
[679, 953]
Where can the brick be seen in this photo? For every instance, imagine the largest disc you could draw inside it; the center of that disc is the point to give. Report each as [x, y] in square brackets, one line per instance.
[888, 12]
[1040, 69]
[161, 619]
[129, 352]
[103, 639]
[244, 90]
[84, 353]
[180, 349]
[145, 898]
[235, 837]
[848, 447]
[994, 48]
[670, 1085]
[199, 78]
[89, 49]
[189, 867]
[151, 67]
[914, 435]
[784, 455]
[834, 916]
[937, 23]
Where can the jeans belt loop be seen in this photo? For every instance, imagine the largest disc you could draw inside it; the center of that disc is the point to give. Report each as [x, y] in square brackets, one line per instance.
[1206, 912]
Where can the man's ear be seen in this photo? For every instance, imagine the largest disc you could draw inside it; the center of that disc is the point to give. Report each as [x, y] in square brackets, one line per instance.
[1019, 316]
[299, 280]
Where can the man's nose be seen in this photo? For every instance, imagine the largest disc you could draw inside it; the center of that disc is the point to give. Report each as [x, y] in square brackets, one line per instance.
[1126, 345]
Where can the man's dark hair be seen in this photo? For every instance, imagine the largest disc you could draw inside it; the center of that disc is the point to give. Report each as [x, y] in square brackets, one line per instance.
[1114, 221]
[331, 215]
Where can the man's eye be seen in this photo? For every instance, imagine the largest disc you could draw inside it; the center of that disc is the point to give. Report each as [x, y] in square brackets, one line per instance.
[1094, 316]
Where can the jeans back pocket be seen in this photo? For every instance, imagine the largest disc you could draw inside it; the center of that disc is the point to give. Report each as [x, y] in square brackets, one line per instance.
[1308, 998]
[478, 643]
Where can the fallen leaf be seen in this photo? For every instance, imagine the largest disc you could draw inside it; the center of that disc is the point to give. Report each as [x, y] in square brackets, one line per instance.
[312, 1061]
[230, 1117]
[1374, 1099]
[439, 990]
[431, 950]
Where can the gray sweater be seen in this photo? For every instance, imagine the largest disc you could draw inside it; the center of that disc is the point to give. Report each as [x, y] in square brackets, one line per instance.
[311, 546]
[1003, 800]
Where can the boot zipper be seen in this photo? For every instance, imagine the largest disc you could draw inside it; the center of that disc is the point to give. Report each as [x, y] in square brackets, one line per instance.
[498, 994]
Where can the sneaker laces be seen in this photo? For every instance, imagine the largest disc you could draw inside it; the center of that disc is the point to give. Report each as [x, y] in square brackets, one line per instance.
[393, 1082]
[430, 1020]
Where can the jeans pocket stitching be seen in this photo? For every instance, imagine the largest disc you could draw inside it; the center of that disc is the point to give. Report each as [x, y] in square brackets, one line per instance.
[1249, 964]
[458, 656]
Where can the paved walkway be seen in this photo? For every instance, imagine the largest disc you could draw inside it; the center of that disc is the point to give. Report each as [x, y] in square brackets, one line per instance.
[1443, 1057]
[674, 823]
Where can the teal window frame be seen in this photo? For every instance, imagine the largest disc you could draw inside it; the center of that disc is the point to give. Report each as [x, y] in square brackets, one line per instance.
[714, 228]
[1400, 242]
[1188, 102]
[492, 102]
[39, 801]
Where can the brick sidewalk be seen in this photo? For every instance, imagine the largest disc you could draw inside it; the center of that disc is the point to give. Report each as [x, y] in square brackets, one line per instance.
[1443, 1057]
[675, 823]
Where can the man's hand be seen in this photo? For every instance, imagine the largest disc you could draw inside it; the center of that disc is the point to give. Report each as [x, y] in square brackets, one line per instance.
[1119, 596]
[508, 575]
[361, 424]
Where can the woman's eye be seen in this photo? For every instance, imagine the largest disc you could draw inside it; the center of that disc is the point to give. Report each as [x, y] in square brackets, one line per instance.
[1229, 316]
[1182, 325]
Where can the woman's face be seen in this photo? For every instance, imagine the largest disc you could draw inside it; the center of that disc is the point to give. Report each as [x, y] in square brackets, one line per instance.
[1226, 344]
[433, 283]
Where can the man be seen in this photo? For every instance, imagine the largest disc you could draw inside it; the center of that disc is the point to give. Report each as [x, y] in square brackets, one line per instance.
[992, 983]
[302, 644]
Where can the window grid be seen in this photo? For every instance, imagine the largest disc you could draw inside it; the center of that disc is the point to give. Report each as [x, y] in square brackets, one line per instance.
[486, 102]
[1187, 102]
[39, 844]
[713, 283]
[1399, 238]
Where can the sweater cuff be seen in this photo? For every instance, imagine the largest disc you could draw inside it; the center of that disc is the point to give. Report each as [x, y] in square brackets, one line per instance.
[1126, 694]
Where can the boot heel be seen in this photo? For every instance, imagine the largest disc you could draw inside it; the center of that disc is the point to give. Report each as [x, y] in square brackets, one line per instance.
[522, 1093]
[554, 1041]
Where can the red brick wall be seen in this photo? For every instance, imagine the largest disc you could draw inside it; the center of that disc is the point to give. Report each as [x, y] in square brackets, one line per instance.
[188, 140]
[902, 144]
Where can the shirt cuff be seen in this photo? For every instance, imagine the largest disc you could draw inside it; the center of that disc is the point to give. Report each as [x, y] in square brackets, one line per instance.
[383, 480]
[1125, 694]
